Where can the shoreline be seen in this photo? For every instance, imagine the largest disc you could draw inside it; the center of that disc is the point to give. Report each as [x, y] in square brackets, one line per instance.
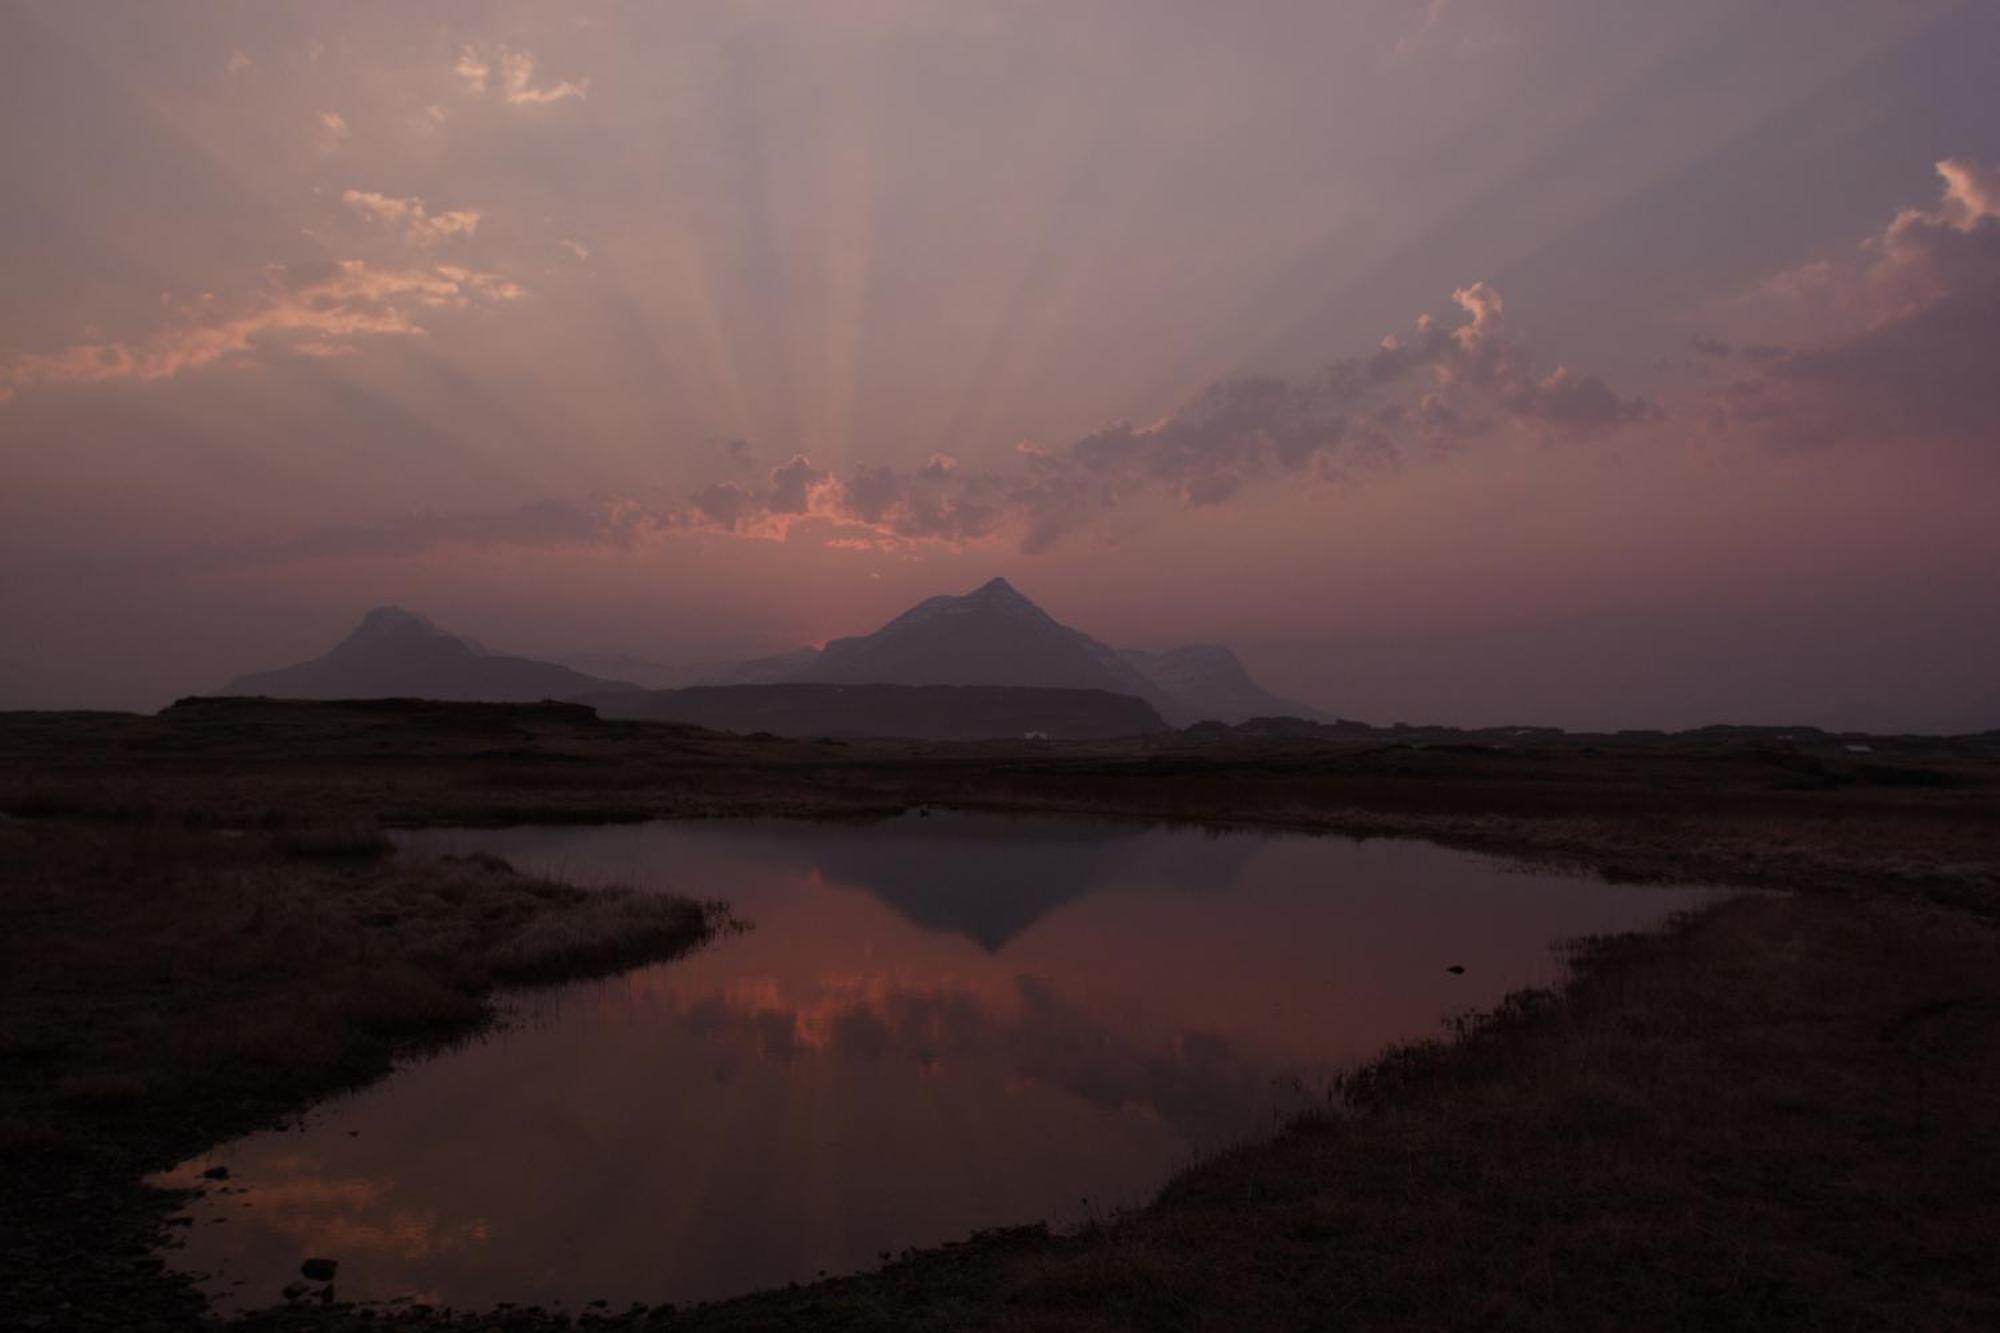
[1895, 911]
[233, 984]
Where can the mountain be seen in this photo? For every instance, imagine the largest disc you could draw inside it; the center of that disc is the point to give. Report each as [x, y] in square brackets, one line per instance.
[772, 670]
[1207, 683]
[641, 671]
[991, 636]
[995, 636]
[913, 712]
[395, 653]
[653, 675]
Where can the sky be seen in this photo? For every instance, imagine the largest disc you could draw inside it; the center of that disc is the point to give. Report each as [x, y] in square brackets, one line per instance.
[1574, 362]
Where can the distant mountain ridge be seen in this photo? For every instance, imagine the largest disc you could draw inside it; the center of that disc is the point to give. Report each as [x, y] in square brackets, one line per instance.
[1208, 683]
[398, 653]
[992, 636]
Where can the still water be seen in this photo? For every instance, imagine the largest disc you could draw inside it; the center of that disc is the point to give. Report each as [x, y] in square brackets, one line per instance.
[936, 1024]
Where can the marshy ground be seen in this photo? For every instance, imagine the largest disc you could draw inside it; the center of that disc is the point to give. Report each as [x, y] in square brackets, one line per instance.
[1780, 1112]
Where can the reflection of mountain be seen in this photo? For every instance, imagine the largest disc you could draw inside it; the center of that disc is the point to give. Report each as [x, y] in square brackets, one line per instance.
[989, 878]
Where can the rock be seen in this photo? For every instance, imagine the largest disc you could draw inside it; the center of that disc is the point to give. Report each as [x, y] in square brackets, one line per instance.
[1456, 970]
[294, 1290]
[216, 1173]
[318, 1270]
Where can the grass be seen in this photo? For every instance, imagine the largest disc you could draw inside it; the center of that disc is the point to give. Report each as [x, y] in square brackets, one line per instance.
[1917, 817]
[162, 988]
[1777, 1114]
[1784, 1112]
[145, 962]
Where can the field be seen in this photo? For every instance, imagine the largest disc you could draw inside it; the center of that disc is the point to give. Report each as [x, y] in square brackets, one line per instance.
[1781, 1112]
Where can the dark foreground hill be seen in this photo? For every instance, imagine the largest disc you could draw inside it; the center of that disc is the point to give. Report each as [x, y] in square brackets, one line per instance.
[915, 712]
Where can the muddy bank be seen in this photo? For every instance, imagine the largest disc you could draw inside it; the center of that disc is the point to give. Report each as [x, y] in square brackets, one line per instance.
[1782, 1113]
[164, 988]
[1776, 1113]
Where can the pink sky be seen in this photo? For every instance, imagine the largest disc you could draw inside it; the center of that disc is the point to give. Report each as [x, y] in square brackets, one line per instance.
[1530, 360]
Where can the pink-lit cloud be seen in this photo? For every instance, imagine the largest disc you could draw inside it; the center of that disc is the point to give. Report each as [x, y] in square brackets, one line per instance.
[315, 310]
[1442, 382]
[330, 131]
[516, 78]
[1919, 306]
[1908, 331]
[409, 216]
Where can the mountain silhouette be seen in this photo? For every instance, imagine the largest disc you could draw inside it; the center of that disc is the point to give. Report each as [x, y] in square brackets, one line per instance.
[991, 636]
[397, 653]
[995, 636]
[1207, 683]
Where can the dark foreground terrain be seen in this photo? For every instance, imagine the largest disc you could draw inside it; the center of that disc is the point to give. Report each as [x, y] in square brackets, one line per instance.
[926, 712]
[1783, 1112]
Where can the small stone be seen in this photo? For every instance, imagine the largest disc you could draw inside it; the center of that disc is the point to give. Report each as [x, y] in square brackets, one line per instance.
[294, 1290]
[1456, 970]
[216, 1173]
[318, 1270]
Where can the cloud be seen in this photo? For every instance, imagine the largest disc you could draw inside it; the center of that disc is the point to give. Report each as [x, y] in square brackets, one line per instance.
[1908, 331]
[1441, 383]
[420, 226]
[474, 70]
[516, 83]
[765, 508]
[331, 131]
[313, 310]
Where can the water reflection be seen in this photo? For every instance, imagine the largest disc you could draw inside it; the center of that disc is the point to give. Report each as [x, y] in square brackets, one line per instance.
[938, 1024]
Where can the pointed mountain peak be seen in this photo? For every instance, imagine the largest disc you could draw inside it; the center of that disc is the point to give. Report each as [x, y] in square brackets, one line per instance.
[391, 622]
[391, 617]
[395, 625]
[997, 588]
[395, 652]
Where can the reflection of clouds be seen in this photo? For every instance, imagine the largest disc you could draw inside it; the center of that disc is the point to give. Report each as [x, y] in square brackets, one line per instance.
[341, 1214]
[1027, 1033]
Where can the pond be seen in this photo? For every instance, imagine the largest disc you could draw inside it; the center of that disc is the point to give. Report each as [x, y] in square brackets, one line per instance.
[938, 1023]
